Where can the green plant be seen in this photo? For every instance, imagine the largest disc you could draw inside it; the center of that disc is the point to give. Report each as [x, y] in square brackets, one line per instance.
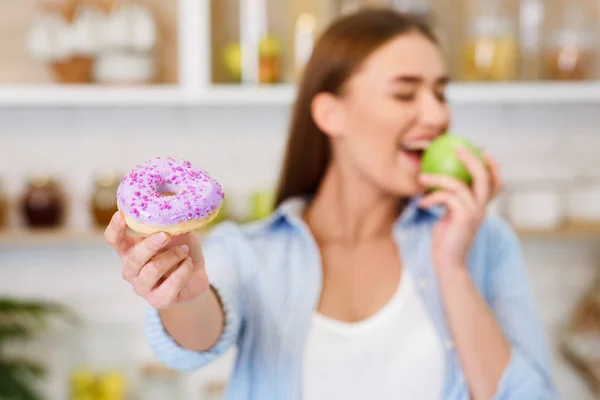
[22, 320]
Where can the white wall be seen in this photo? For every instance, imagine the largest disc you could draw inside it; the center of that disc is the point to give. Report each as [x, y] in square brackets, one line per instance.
[242, 148]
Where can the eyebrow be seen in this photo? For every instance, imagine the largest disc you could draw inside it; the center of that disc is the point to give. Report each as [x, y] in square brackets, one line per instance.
[443, 80]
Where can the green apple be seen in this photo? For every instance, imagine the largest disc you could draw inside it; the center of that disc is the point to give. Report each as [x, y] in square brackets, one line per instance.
[440, 157]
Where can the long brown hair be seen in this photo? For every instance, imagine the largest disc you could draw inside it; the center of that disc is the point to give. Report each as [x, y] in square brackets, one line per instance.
[336, 56]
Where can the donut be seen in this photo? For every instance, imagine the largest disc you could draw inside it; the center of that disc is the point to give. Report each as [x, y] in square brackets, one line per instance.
[168, 195]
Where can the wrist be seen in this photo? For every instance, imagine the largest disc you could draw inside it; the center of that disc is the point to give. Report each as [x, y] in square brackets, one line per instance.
[452, 275]
[190, 304]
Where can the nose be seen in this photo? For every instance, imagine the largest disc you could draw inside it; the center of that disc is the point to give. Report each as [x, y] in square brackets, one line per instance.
[434, 112]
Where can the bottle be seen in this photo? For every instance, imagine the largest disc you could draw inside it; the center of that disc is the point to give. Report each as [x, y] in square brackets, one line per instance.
[304, 36]
[570, 53]
[103, 202]
[491, 50]
[43, 203]
[531, 16]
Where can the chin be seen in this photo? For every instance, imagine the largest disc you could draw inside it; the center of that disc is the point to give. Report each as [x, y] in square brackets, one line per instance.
[408, 190]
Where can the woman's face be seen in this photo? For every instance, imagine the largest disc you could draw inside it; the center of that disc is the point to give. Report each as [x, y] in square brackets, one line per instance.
[390, 110]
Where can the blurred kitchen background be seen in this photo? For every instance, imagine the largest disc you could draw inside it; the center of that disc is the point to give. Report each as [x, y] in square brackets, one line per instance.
[90, 88]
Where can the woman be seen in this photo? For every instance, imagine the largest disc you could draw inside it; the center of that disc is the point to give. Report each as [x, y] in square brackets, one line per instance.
[358, 284]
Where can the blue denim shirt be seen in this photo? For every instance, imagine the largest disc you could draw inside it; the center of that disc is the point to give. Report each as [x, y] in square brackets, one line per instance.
[268, 275]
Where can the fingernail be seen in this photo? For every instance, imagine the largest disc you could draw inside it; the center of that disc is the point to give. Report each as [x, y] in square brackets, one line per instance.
[184, 248]
[117, 218]
[159, 238]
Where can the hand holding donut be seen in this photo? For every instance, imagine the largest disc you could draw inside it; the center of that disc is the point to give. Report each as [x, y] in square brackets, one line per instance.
[165, 270]
[455, 232]
[165, 199]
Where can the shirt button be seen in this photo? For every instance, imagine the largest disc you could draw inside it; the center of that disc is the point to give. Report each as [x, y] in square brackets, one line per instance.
[449, 344]
[422, 283]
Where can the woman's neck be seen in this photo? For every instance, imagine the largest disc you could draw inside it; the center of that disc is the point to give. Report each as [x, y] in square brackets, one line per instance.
[348, 211]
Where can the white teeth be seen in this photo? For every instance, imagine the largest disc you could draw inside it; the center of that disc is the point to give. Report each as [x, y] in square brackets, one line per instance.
[416, 145]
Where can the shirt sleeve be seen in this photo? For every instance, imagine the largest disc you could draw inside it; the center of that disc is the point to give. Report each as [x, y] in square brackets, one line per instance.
[528, 373]
[221, 267]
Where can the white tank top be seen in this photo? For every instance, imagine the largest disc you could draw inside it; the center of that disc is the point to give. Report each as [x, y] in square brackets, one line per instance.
[394, 354]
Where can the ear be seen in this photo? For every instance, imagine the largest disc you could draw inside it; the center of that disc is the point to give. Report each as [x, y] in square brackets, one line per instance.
[328, 114]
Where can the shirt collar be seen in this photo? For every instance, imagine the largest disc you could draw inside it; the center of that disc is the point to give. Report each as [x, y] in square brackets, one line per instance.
[291, 211]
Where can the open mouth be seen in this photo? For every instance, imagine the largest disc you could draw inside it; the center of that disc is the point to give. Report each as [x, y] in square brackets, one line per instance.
[415, 148]
[412, 151]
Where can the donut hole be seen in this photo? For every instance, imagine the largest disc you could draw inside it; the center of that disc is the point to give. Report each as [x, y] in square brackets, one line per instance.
[167, 190]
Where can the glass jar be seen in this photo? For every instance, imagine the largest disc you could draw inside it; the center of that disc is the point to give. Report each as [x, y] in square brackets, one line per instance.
[269, 60]
[103, 202]
[570, 52]
[491, 50]
[44, 203]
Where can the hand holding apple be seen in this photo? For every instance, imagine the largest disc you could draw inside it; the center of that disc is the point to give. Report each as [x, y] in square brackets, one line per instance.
[466, 181]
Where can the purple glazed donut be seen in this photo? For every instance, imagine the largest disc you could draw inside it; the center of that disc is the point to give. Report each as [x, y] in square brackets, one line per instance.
[168, 195]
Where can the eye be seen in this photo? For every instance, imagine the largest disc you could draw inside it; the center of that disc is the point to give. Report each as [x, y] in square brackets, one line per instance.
[441, 96]
[405, 97]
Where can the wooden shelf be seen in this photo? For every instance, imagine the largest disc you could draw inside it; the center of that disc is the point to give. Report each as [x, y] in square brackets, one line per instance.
[66, 237]
[51, 237]
[88, 95]
[277, 95]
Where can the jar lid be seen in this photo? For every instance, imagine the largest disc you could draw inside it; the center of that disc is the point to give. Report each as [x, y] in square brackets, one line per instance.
[39, 179]
[107, 177]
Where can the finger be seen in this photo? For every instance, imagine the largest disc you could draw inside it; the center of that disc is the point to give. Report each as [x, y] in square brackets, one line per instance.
[168, 292]
[443, 198]
[496, 181]
[454, 186]
[481, 181]
[153, 271]
[116, 235]
[142, 252]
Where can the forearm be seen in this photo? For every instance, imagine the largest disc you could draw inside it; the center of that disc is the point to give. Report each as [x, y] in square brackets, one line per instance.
[483, 350]
[195, 326]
